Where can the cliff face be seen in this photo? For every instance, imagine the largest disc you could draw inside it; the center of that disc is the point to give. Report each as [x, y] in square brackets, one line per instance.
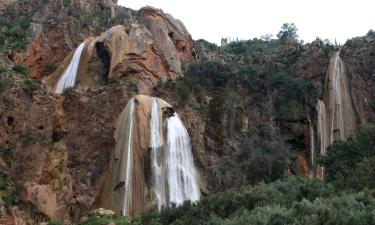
[53, 28]
[148, 52]
[245, 106]
[358, 55]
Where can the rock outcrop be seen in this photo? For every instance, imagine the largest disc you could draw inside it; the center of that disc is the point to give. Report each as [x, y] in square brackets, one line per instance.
[140, 175]
[55, 27]
[146, 54]
[56, 150]
[358, 55]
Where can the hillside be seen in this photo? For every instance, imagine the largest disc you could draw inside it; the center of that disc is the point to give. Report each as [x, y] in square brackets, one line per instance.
[258, 112]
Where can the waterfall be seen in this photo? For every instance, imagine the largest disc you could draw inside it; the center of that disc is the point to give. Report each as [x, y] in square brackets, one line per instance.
[340, 112]
[129, 157]
[322, 132]
[312, 142]
[152, 165]
[68, 79]
[338, 118]
[157, 153]
[181, 174]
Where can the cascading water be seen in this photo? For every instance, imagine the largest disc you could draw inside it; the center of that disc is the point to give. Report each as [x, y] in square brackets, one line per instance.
[312, 142]
[129, 158]
[181, 173]
[338, 117]
[322, 132]
[340, 113]
[152, 164]
[68, 79]
[157, 154]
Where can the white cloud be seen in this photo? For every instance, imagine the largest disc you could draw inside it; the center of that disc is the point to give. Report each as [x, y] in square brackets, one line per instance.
[212, 20]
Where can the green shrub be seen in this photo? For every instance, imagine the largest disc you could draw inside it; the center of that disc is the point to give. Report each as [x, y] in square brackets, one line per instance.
[13, 31]
[21, 69]
[55, 222]
[350, 164]
[100, 17]
[51, 67]
[6, 83]
[32, 85]
[372, 101]
[3, 181]
[104, 220]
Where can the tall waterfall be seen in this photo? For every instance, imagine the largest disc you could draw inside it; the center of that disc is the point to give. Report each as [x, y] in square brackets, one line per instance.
[336, 117]
[340, 113]
[157, 154]
[129, 158]
[181, 173]
[68, 79]
[152, 165]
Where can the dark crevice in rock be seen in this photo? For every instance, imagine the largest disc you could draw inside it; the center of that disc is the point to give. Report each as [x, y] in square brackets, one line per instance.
[57, 136]
[171, 35]
[105, 59]
[10, 120]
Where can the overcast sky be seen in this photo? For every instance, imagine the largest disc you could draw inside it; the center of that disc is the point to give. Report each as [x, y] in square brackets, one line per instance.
[246, 19]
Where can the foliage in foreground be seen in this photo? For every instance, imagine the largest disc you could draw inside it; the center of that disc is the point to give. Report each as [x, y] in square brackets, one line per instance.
[292, 201]
[295, 200]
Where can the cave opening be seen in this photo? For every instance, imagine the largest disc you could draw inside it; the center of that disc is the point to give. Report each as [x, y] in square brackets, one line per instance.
[104, 59]
[10, 120]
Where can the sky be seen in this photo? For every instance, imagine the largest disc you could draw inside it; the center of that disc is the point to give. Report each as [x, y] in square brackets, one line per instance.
[246, 19]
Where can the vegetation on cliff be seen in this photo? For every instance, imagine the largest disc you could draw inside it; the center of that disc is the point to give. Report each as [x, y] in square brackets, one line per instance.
[246, 106]
[293, 200]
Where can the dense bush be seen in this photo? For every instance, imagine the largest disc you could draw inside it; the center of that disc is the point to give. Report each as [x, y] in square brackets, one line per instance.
[210, 73]
[21, 69]
[293, 201]
[350, 164]
[5, 83]
[372, 101]
[13, 30]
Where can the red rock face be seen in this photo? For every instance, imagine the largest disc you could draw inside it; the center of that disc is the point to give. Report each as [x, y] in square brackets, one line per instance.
[43, 52]
[55, 30]
[147, 53]
[166, 30]
[62, 149]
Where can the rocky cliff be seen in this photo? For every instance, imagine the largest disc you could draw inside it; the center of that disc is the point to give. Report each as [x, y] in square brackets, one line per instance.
[245, 105]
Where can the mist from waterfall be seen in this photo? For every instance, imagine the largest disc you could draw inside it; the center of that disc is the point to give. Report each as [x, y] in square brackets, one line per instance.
[68, 79]
[157, 158]
[181, 173]
[129, 157]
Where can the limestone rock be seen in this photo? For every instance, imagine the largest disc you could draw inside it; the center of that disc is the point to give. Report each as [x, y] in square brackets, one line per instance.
[148, 52]
[43, 198]
[102, 212]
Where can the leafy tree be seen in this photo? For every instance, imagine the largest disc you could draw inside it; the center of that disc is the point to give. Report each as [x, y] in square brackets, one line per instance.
[288, 31]
[350, 164]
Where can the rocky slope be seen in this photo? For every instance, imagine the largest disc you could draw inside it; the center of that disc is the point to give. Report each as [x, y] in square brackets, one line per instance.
[245, 105]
